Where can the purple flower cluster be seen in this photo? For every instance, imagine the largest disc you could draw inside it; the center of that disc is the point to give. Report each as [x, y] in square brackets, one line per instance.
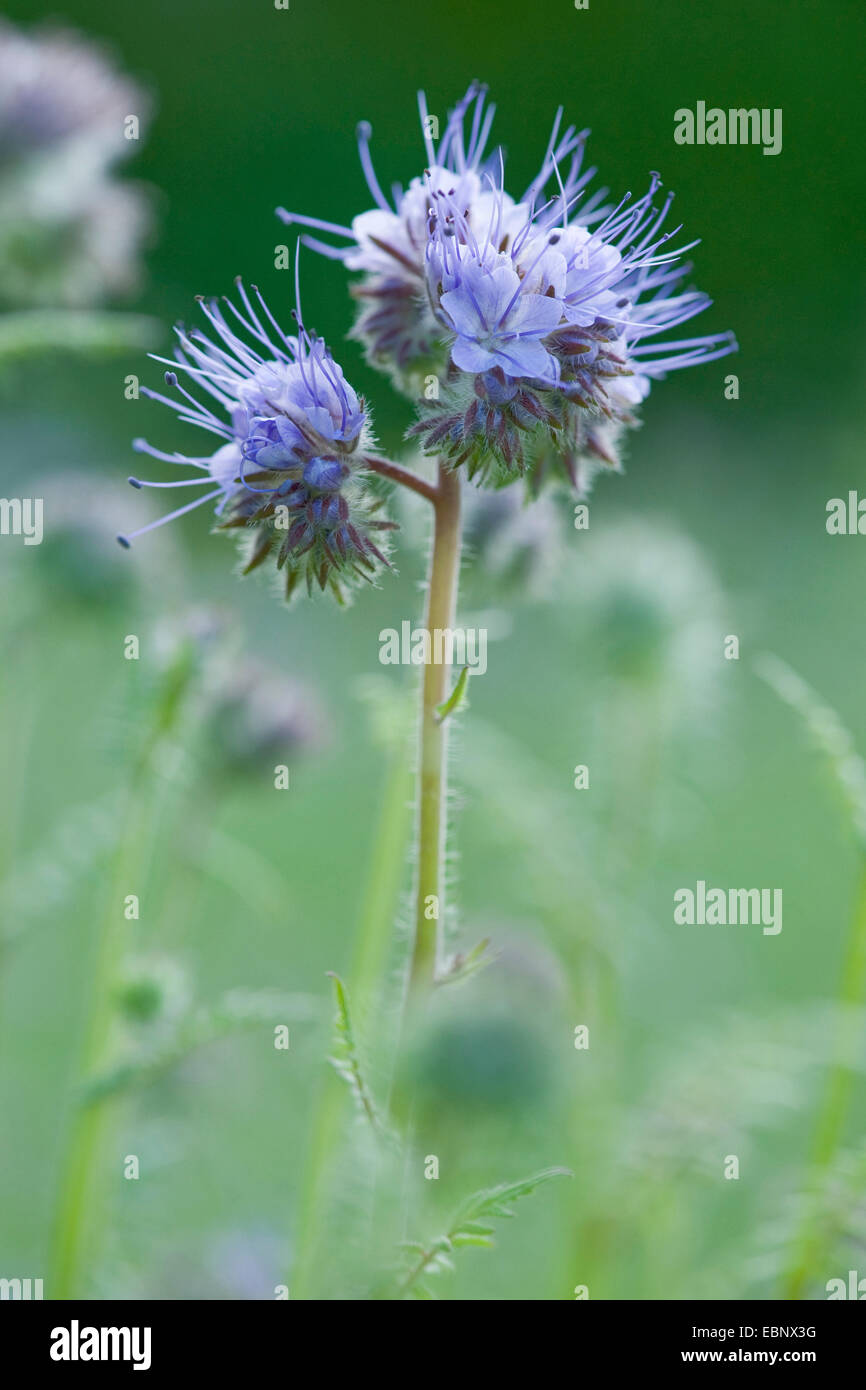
[529, 330]
[289, 474]
[388, 244]
[540, 318]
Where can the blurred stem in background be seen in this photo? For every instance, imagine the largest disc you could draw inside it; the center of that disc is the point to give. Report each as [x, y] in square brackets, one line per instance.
[33, 332]
[77, 1219]
[834, 1108]
[835, 744]
[374, 936]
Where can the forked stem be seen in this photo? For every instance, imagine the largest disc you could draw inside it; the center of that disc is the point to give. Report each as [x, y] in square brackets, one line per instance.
[398, 474]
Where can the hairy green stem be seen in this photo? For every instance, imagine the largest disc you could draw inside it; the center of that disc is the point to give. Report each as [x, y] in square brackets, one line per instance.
[383, 884]
[433, 757]
[837, 1094]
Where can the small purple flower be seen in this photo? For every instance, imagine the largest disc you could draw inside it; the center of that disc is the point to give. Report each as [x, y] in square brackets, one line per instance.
[289, 470]
[389, 243]
[56, 88]
[499, 316]
[568, 314]
[71, 233]
[498, 323]
[542, 318]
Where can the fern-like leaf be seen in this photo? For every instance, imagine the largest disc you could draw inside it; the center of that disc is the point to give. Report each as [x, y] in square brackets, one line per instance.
[828, 734]
[469, 1226]
[345, 1059]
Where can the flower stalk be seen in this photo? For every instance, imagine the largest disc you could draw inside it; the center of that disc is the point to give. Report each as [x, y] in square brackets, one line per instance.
[433, 747]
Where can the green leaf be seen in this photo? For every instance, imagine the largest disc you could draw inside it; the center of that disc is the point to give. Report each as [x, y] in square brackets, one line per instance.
[828, 734]
[459, 966]
[345, 1060]
[465, 1230]
[499, 1201]
[456, 698]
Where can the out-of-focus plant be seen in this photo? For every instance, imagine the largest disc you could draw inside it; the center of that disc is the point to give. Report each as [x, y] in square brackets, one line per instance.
[835, 744]
[71, 232]
[143, 1017]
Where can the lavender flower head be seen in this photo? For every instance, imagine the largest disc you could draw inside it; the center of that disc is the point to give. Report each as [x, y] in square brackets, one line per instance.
[289, 475]
[388, 243]
[540, 317]
[537, 326]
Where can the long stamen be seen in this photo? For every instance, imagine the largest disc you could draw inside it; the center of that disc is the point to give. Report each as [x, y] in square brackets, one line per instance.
[213, 427]
[298, 282]
[484, 135]
[363, 132]
[171, 379]
[184, 482]
[254, 328]
[317, 223]
[290, 344]
[141, 446]
[429, 147]
[333, 253]
[706, 340]
[540, 179]
[476, 121]
[125, 540]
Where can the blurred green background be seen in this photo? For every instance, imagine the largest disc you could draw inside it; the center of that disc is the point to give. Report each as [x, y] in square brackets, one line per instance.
[706, 1042]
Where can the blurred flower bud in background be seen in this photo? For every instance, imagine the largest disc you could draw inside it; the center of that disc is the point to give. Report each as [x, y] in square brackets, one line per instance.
[654, 606]
[153, 990]
[71, 232]
[513, 541]
[489, 1046]
[258, 715]
[649, 618]
[78, 561]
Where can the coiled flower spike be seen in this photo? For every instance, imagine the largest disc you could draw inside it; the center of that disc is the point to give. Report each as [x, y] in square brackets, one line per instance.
[290, 474]
[388, 243]
[539, 318]
[546, 328]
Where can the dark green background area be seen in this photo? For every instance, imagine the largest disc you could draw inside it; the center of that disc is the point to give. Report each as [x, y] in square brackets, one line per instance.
[257, 107]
